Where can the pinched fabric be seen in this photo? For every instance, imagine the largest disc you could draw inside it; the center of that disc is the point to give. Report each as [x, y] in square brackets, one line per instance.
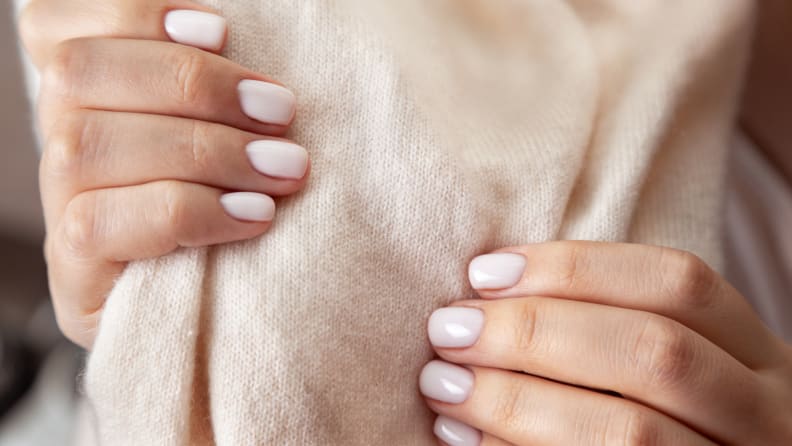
[438, 130]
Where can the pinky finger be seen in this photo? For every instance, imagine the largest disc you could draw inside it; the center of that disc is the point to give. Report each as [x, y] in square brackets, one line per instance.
[101, 230]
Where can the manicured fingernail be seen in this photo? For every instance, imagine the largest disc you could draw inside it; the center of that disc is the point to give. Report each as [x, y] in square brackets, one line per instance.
[496, 271]
[278, 159]
[455, 327]
[446, 382]
[266, 102]
[456, 433]
[196, 28]
[248, 206]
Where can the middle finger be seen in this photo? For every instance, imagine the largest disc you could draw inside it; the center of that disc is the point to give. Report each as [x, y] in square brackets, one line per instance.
[93, 149]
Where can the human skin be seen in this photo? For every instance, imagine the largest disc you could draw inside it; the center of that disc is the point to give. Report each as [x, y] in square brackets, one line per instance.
[144, 138]
[689, 360]
[684, 358]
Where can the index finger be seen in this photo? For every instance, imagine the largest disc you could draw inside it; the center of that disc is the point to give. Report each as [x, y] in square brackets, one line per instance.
[44, 24]
[665, 281]
[162, 78]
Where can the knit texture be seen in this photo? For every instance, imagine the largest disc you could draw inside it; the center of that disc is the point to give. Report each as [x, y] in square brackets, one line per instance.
[438, 131]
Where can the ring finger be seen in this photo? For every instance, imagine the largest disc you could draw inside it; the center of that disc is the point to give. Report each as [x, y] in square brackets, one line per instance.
[92, 149]
[526, 410]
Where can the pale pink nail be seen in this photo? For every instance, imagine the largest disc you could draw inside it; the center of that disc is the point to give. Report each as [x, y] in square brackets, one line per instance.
[496, 271]
[266, 102]
[196, 28]
[446, 382]
[278, 159]
[455, 327]
[456, 433]
[248, 206]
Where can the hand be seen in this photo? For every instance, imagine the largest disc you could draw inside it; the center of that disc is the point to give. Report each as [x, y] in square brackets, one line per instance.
[605, 344]
[145, 138]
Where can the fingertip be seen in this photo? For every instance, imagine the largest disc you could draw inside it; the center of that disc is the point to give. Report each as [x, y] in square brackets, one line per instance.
[273, 130]
[247, 215]
[476, 303]
[456, 432]
[278, 158]
[433, 405]
[496, 271]
[249, 206]
[201, 29]
[267, 102]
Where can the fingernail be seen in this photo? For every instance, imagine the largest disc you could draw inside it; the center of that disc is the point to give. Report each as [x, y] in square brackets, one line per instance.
[248, 206]
[278, 159]
[456, 433]
[496, 271]
[455, 327]
[196, 28]
[446, 382]
[266, 102]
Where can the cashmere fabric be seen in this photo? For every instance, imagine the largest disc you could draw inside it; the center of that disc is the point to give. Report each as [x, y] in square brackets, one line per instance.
[438, 131]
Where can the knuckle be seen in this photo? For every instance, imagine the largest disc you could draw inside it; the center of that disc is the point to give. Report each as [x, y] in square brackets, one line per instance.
[509, 411]
[638, 429]
[524, 330]
[65, 68]
[200, 153]
[64, 149]
[79, 226]
[190, 67]
[688, 280]
[570, 257]
[664, 354]
[175, 203]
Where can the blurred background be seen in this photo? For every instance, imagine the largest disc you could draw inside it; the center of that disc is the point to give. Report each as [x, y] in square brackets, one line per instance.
[38, 366]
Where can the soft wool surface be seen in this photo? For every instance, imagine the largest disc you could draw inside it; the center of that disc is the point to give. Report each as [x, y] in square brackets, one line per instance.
[438, 131]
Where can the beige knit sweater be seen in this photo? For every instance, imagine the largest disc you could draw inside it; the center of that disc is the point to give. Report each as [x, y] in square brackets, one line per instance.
[439, 130]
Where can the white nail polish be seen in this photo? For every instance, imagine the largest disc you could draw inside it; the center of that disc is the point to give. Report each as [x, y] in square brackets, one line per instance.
[455, 327]
[496, 271]
[248, 206]
[266, 102]
[445, 382]
[456, 433]
[279, 159]
[196, 28]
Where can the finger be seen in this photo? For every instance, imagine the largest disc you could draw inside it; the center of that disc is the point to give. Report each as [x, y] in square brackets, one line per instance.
[93, 149]
[103, 229]
[665, 281]
[643, 356]
[161, 78]
[527, 410]
[451, 432]
[45, 23]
